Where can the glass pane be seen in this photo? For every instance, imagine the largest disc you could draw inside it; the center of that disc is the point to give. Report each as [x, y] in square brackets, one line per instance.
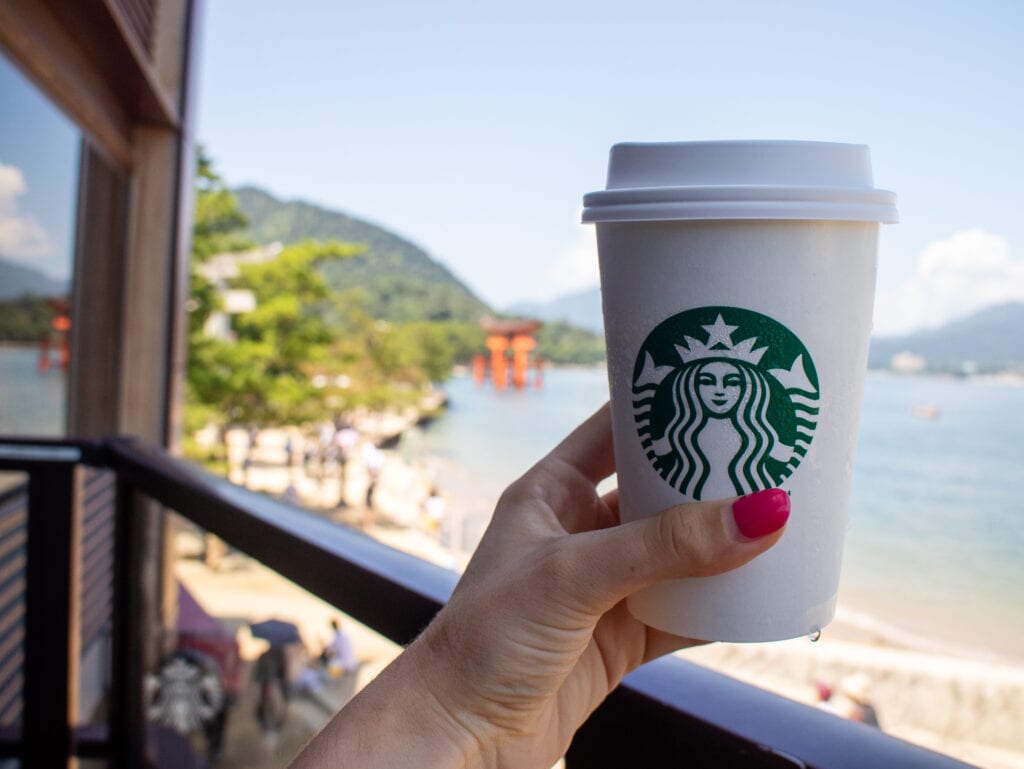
[39, 150]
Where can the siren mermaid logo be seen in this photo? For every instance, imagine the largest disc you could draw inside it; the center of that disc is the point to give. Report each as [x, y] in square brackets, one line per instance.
[725, 401]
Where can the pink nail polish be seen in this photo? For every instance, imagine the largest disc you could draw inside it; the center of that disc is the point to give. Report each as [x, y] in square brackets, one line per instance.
[761, 513]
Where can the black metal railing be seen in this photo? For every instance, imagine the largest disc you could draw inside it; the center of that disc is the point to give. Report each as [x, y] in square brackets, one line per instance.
[668, 713]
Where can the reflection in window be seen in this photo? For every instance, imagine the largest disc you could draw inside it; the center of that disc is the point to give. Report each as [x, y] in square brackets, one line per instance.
[39, 150]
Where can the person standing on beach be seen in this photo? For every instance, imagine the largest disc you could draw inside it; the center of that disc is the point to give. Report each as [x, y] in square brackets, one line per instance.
[433, 512]
[823, 698]
[537, 633]
[857, 691]
[346, 439]
[373, 458]
[340, 654]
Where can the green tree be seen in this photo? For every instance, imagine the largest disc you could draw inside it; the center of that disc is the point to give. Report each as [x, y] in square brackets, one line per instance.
[305, 350]
[26, 318]
[218, 223]
[562, 343]
[265, 374]
[262, 371]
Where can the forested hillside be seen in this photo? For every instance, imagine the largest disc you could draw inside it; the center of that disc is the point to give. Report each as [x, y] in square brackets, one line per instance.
[395, 279]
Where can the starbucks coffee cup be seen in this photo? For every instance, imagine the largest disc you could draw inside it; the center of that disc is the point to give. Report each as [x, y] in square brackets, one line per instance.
[738, 283]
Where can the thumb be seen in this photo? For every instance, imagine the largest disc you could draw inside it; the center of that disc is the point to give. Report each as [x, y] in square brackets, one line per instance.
[699, 539]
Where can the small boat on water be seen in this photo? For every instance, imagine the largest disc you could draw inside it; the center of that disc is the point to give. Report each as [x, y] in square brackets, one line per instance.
[926, 411]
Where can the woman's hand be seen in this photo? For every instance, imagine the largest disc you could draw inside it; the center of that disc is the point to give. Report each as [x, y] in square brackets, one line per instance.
[537, 632]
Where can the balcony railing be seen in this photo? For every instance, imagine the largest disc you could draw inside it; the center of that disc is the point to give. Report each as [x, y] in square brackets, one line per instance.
[668, 713]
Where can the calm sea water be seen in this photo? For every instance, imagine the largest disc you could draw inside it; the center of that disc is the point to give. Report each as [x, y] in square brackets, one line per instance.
[31, 403]
[933, 554]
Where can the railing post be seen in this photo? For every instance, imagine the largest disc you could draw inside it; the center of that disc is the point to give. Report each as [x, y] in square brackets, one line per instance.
[127, 704]
[51, 615]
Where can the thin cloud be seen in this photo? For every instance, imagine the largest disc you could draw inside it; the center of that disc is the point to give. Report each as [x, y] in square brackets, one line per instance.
[969, 270]
[575, 268]
[21, 236]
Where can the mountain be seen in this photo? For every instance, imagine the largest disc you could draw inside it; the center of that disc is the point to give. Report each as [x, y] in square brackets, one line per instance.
[16, 280]
[398, 281]
[581, 309]
[993, 338]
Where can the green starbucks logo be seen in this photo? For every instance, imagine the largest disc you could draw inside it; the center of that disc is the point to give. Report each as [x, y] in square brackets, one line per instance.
[725, 401]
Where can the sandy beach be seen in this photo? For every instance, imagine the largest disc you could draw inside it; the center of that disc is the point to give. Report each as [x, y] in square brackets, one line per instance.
[968, 708]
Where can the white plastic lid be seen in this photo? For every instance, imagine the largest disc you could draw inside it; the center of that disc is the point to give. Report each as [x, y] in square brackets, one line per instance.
[740, 180]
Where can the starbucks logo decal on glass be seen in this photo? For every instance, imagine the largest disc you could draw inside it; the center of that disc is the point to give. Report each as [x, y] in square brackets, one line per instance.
[725, 401]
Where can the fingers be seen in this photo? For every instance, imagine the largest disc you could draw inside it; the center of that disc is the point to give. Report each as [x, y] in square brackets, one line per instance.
[589, 447]
[694, 540]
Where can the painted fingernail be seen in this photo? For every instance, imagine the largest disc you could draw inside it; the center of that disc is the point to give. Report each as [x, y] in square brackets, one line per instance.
[761, 513]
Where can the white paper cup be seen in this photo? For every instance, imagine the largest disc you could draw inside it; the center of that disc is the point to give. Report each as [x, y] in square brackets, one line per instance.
[738, 284]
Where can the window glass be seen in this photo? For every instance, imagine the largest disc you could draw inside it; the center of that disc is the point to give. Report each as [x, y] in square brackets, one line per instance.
[39, 153]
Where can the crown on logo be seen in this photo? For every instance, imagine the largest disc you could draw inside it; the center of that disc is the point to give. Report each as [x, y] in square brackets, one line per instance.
[720, 345]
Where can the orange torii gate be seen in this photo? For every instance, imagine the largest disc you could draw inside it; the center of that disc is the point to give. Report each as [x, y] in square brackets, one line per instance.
[59, 336]
[505, 337]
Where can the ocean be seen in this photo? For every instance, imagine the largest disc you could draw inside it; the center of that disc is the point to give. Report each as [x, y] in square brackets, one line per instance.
[933, 551]
[31, 403]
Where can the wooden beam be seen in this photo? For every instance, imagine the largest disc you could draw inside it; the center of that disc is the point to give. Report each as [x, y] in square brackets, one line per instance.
[152, 228]
[47, 51]
[52, 615]
[87, 57]
[114, 50]
[94, 390]
[158, 103]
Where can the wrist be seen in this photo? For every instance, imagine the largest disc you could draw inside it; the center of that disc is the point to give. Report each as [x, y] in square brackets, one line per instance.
[398, 721]
[427, 682]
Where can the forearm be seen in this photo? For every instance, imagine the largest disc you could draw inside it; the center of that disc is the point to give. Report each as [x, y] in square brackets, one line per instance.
[394, 723]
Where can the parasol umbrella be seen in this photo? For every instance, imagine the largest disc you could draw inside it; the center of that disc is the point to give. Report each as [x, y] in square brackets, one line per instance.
[276, 631]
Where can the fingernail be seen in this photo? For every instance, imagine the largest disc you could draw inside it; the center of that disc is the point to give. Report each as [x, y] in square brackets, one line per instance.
[761, 513]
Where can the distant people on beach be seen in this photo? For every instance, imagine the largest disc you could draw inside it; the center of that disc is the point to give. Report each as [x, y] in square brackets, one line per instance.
[340, 654]
[345, 440]
[433, 512]
[291, 494]
[252, 435]
[324, 448]
[823, 698]
[854, 702]
[856, 689]
[271, 677]
[373, 459]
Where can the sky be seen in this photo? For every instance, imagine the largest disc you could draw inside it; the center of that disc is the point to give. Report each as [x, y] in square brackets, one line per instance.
[475, 128]
[39, 150]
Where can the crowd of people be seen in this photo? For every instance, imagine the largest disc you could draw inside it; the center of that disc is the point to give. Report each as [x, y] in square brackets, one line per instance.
[334, 450]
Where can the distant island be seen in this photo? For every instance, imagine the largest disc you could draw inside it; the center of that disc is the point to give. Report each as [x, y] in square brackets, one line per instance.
[18, 279]
[988, 341]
